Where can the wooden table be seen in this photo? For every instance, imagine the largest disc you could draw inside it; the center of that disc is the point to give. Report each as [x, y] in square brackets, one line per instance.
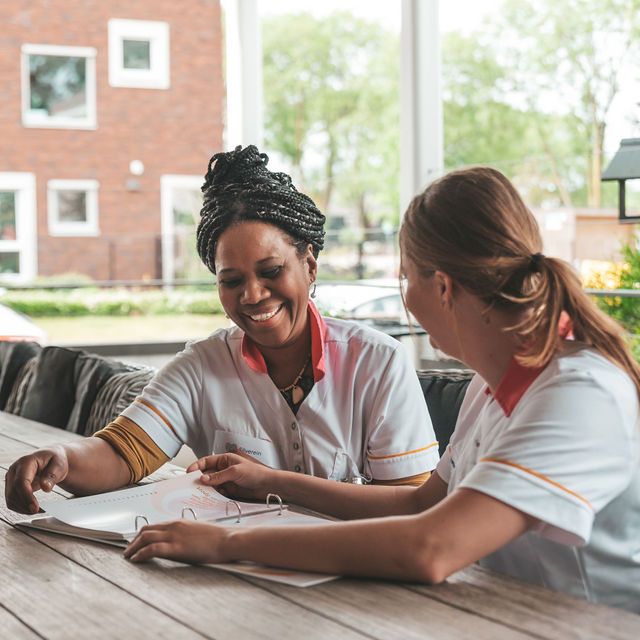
[58, 587]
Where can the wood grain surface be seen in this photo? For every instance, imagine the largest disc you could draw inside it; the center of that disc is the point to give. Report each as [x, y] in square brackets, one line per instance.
[60, 587]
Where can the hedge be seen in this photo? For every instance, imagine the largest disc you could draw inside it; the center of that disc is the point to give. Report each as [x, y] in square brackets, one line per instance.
[111, 302]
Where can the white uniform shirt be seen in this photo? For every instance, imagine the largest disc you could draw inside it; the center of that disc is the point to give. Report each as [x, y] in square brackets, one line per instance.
[365, 416]
[562, 445]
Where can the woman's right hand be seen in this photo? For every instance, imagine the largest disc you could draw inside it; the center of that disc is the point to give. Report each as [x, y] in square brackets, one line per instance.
[42, 469]
[235, 475]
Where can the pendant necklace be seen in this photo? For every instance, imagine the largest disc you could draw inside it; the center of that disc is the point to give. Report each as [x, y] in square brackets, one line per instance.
[297, 393]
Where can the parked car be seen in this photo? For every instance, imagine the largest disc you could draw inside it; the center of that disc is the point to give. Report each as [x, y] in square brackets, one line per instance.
[374, 301]
[378, 303]
[18, 327]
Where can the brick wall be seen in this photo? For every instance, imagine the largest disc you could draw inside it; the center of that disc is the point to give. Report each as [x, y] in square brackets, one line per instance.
[172, 131]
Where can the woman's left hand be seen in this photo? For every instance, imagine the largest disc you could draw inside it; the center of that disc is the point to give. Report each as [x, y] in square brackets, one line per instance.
[183, 540]
[236, 476]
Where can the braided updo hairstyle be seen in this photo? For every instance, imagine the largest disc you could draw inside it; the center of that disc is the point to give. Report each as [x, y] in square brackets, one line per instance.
[238, 186]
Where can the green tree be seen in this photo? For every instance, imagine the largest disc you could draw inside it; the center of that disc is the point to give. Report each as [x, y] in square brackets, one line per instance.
[484, 125]
[565, 58]
[331, 106]
[370, 167]
[625, 310]
[529, 94]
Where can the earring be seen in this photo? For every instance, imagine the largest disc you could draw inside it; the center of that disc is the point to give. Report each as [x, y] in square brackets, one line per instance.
[313, 291]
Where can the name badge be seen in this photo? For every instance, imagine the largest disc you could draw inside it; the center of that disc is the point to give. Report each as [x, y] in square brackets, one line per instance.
[261, 449]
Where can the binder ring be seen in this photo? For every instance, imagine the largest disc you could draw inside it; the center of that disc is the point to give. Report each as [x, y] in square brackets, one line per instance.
[185, 509]
[136, 525]
[278, 498]
[226, 509]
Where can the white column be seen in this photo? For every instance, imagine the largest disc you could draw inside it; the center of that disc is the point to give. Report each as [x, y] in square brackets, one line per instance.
[243, 45]
[421, 142]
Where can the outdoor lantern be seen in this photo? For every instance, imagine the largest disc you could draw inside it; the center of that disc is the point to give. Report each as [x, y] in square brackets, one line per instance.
[625, 165]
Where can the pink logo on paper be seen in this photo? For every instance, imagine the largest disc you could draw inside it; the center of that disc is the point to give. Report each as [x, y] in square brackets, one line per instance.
[171, 498]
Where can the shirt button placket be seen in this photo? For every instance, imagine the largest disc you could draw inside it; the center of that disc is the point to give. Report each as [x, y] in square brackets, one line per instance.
[296, 445]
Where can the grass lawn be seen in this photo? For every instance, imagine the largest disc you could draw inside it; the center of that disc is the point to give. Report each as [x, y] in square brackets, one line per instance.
[122, 329]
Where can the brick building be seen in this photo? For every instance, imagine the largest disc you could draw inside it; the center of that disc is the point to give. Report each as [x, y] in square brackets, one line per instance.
[109, 112]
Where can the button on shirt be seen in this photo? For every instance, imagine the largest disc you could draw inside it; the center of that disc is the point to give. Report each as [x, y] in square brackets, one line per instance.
[365, 414]
[560, 444]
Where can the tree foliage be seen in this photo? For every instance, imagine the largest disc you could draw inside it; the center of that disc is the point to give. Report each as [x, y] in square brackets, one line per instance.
[529, 93]
[624, 309]
[483, 125]
[331, 107]
[565, 59]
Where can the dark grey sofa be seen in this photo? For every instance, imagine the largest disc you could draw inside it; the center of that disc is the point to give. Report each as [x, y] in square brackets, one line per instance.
[82, 392]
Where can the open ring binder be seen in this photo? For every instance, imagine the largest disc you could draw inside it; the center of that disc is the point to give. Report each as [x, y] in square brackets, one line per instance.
[118, 516]
[278, 498]
[236, 505]
[233, 503]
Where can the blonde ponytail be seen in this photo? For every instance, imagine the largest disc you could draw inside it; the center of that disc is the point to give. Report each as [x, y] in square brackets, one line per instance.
[473, 225]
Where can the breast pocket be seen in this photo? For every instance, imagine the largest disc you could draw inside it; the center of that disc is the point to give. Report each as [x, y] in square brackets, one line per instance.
[261, 449]
[344, 468]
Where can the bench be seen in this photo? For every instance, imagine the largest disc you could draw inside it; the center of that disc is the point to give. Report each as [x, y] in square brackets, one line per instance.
[82, 392]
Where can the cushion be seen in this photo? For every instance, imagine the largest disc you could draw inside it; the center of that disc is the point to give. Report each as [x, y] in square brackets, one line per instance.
[443, 391]
[64, 385]
[115, 396]
[20, 386]
[13, 356]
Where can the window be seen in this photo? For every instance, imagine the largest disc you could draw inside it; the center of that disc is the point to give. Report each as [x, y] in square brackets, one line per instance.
[138, 54]
[73, 207]
[58, 87]
[17, 227]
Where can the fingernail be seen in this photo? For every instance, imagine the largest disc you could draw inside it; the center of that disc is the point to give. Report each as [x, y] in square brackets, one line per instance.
[206, 477]
[33, 508]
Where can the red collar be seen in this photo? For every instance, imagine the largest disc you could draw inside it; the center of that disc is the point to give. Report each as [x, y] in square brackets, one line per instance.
[254, 358]
[518, 378]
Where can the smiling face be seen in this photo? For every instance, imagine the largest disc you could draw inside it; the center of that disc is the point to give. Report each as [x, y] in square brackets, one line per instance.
[263, 283]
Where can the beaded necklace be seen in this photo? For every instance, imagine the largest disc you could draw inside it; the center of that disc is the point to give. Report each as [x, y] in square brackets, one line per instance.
[297, 392]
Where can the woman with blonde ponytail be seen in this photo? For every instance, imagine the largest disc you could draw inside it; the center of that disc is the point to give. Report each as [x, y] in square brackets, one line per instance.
[541, 479]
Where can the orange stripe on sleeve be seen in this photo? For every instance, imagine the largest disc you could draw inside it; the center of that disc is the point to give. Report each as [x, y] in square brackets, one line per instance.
[410, 481]
[398, 455]
[162, 417]
[538, 475]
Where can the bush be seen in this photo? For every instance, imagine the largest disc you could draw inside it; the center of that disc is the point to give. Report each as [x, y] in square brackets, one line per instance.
[111, 302]
[634, 343]
[625, 310]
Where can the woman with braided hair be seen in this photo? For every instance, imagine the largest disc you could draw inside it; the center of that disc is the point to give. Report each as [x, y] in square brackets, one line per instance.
[541, 479]
[284, 386]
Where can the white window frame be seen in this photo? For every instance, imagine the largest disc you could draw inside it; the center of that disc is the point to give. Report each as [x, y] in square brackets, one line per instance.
[168, 183]
[58, 227]
[157, 33]
[33, 119]
[25, 244]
